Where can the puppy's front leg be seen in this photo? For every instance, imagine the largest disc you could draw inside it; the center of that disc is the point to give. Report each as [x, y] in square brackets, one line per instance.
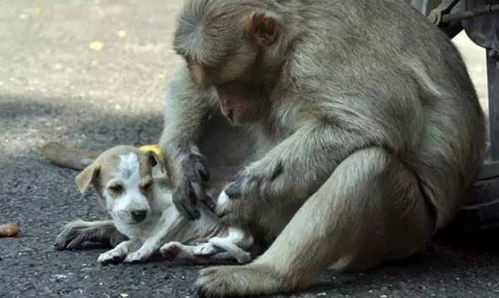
[118, 253]
[141, 255]
[169, 222]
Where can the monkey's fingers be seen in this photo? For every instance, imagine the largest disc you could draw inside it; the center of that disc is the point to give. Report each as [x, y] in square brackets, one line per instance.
[182, 199]
[203, 171]
[194, 167]
[209, 203]
[187, 212]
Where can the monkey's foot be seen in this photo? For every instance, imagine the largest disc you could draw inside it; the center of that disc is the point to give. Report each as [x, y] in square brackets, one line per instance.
[252, 279]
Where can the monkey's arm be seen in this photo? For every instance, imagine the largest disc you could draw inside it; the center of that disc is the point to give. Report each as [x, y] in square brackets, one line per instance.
[292, 170]
[187, 109]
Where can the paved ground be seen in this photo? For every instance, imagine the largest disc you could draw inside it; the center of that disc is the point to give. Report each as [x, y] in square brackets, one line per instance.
[91, 73]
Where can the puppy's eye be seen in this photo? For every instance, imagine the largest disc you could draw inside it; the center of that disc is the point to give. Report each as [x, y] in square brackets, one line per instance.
[146, 187]
[116, 188]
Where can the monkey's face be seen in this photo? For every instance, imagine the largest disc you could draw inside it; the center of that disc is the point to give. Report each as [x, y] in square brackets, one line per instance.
[240, 100]
[226, 47]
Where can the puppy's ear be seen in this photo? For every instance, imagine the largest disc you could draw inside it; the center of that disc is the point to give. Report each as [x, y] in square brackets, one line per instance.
[155, 160]
[86, 177]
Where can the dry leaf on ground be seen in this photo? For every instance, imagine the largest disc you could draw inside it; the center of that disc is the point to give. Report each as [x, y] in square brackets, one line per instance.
[9, 230]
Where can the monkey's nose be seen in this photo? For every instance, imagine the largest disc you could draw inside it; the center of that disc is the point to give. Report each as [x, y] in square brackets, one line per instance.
[139, 215]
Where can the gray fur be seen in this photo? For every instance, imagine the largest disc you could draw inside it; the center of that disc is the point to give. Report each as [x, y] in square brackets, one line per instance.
[372, 121]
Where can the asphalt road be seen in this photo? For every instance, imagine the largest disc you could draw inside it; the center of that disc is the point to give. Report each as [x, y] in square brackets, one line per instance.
[91, 74]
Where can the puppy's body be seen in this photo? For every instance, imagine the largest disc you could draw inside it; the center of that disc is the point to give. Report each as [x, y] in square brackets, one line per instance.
[137, 195]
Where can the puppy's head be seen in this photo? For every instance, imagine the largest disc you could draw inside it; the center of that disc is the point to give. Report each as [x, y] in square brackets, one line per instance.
[124, 177]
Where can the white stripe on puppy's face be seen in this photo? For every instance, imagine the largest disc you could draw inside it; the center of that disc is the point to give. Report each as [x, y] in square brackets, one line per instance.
[129, 167]
[127, 205]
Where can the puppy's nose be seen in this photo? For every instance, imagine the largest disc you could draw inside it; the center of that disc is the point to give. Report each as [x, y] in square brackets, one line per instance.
[139, 215]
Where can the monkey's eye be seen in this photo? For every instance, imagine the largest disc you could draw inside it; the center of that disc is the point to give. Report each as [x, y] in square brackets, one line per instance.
[116, 189]
[146, 187]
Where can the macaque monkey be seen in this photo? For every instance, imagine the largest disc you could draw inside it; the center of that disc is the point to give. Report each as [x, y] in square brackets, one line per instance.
[367, 132]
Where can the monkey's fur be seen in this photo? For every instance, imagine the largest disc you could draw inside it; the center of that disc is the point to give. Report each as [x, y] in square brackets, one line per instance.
[368, 132]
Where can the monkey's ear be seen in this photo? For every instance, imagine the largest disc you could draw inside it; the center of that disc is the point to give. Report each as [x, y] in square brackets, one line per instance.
[86, 177]
[262, 28]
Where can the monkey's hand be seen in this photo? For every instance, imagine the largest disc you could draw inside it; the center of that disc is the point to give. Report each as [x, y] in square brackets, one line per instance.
[239, 199]
[191, 190]
[291, 171]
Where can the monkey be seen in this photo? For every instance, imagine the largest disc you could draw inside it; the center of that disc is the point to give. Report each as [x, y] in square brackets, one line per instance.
[367, 132]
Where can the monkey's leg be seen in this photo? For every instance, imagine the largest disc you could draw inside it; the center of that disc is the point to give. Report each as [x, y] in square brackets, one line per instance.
[78, 231]
[369, 210]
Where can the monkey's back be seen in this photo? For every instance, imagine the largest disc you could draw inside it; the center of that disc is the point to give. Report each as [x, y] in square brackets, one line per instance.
[406, 77]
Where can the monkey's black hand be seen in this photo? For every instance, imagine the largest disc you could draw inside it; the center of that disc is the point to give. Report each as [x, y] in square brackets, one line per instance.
[255, 181]
[191, 189]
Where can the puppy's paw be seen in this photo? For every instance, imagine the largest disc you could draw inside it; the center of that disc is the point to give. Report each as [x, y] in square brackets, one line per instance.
[110, 256]
[205, 250]
[142, 255]
[170, 250]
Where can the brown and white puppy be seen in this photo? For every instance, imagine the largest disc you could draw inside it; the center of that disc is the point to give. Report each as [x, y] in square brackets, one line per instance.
[136, 191]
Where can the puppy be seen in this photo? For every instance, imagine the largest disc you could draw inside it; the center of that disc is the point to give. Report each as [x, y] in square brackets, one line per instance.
[136, 191]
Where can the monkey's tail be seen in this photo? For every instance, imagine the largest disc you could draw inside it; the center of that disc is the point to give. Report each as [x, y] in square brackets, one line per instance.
[68, 157]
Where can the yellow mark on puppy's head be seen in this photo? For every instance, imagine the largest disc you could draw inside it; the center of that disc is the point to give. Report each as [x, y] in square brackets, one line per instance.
[152, 148]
